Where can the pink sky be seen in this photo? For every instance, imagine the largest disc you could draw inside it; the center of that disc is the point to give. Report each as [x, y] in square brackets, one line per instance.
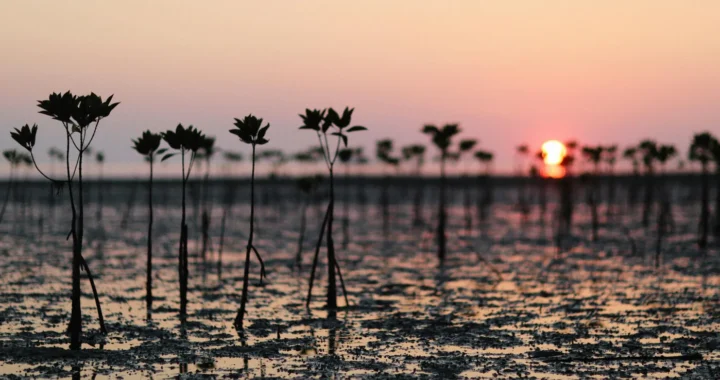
[509, 72]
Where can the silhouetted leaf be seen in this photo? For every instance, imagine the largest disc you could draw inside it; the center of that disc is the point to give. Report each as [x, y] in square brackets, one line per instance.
[356, 128]
[165, 157]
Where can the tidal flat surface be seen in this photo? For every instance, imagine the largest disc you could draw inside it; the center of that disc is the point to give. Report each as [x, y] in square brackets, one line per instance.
[504, 305]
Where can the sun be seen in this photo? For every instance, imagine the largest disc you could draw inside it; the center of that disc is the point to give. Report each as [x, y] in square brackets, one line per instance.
[553, 152]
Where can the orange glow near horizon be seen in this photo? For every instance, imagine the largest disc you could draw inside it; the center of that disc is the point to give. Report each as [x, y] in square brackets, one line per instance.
[554, 171]
[553, 152]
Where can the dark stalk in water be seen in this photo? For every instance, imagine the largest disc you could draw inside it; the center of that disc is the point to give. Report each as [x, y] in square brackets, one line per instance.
[147, 145]
[187, 141]
[417, 153]
[80, 117]
[384, 153]
[324, 122]
[701, 150]
[250, 131]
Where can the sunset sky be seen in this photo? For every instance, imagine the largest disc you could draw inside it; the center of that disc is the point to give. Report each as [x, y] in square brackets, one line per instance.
[509, 72]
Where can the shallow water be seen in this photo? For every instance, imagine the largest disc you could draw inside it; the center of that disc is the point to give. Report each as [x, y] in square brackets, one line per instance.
[504, 304]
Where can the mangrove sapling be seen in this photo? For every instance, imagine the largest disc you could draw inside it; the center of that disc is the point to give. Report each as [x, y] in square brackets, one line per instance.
[228, 200]
[206, 151]
[466, 146]
[648, 150]
[384, 154]
[80, 117]
[565, 211]
[523, 152]
[14, 159]
[55, 155]
[250, 131]
[631, 154]
[701, 150]
[362, 161]
[442, 138]
[187, 141]
[610, 158]
[307, 186]
[485, 194]
[417, 153]
[129, 205]
[663, 155]
[542, 184]
[100, 159]
[147, 145]
[324, 122]
[346, 156]
[593, 155]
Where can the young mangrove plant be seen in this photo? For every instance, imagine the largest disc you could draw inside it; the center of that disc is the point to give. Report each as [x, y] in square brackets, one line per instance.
[346, 157]
[80, 116]
[466, 146]
[610, 158]
[523, 152]
[416, 153]
[307, 186]
[485, 195]
[648, 149]
[323, 123]
[100, 160]
[701, 150]
[250, 131]
[232, 158]
[663, 155]
[206, 152]
[15, 159]
[147, 145]
[442, 138]
[631, 154]
[593, 155]
[188, 141]
[384, 153]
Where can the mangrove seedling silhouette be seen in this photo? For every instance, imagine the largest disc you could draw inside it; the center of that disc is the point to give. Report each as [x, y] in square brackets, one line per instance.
[324, 122]
[80, 116]
[206, 152]
[15, 159]
[147, 145]
[701, 150]
[307, 186]
[384, 153]
[100, 160]
[442, 138]
[187, 141]
[663, 155]
[466, 146]
[648, 149]
[523, 152]
[631, 154]
[610, 159]
[416, 153]
[228, 200]
[250, 131]
[485, 196]
[593, 155]
[346, 157]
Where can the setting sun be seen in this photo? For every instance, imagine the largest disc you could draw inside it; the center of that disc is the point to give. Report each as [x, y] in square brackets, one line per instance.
[553, 152]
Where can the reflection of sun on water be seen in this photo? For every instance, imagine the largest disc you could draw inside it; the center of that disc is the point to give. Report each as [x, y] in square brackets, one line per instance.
[553, 152]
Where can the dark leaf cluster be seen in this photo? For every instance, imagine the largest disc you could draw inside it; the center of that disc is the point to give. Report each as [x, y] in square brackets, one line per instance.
[147, 143]
[25, 136]
[78, 110]
[250, 130]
